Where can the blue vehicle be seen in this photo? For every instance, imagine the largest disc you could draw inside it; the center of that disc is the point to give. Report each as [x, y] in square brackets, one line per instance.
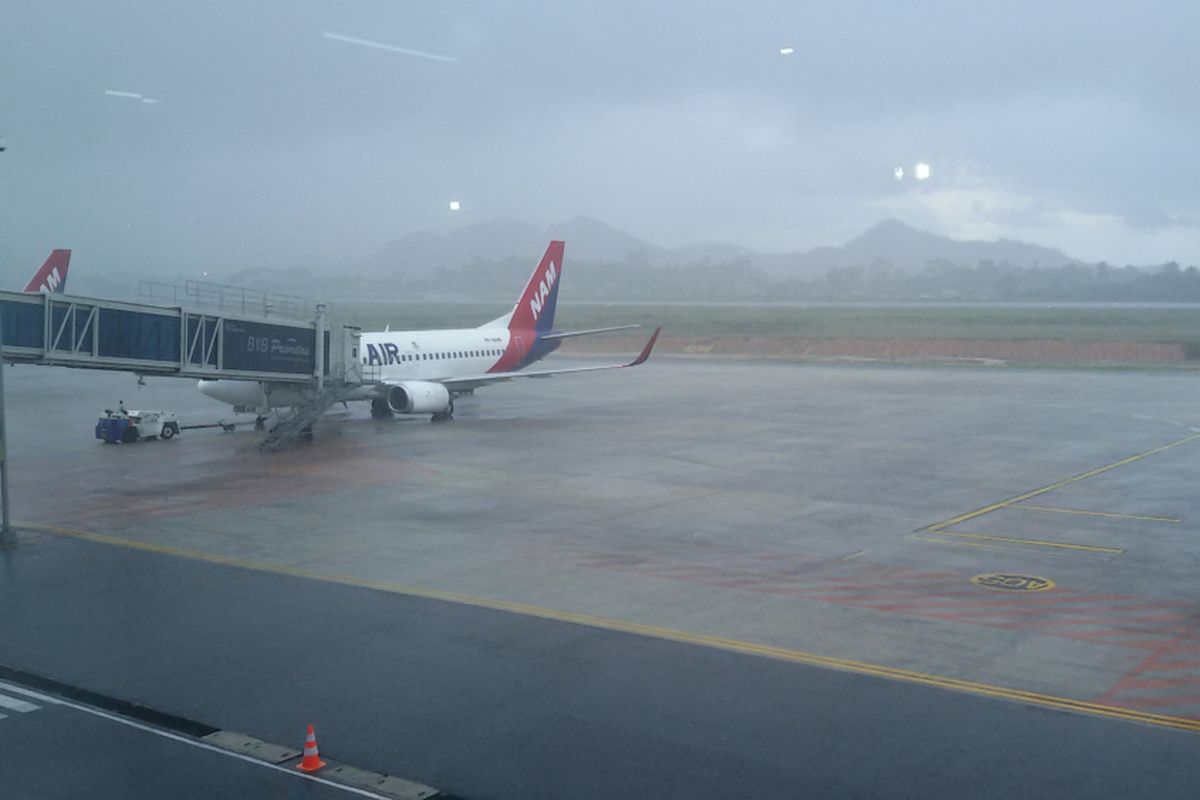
[112, 429]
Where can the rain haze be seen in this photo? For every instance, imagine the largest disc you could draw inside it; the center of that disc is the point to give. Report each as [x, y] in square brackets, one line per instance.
[188, 138]
[599, 400]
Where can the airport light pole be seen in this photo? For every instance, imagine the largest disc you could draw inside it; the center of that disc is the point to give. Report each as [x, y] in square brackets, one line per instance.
[7, 537]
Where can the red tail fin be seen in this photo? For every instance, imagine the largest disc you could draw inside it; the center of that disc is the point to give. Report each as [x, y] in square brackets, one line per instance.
[52, 277]
[535, 309]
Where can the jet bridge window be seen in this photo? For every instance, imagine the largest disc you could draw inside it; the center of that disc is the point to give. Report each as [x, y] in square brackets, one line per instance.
[23, 324]
[129, 334]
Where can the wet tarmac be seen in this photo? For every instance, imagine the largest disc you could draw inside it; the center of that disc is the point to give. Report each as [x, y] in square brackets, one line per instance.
[886, 543]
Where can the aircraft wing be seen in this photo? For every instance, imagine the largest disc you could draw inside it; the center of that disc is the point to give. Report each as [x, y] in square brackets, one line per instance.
[465, 382]
[569, 334]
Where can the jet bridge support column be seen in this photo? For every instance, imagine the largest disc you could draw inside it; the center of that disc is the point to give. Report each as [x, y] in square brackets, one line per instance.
[319, 360]
[7, 537]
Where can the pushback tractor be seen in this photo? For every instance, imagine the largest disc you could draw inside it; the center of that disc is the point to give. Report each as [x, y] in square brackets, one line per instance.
[130, 426]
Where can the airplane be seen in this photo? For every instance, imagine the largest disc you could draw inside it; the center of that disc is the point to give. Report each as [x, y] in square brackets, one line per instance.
[422, 372]
[52, 277]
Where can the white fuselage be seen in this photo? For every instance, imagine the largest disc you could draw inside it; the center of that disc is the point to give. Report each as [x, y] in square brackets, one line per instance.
[389, 357]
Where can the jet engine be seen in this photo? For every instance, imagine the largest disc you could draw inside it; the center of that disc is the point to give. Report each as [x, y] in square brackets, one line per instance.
[418, 397]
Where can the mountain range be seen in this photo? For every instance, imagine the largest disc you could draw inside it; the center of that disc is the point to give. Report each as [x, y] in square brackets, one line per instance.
[486, 260]
[889, 243]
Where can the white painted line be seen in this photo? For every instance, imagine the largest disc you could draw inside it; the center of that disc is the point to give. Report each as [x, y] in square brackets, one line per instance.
[8, 687]
[1141, 416]
[295, 773]
[13, 704]
[3, 716]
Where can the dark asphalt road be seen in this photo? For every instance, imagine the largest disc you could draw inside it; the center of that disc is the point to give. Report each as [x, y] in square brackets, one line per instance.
[488, 704]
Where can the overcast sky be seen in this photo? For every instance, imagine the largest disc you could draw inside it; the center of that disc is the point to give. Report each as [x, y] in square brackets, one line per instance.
[1070, 124]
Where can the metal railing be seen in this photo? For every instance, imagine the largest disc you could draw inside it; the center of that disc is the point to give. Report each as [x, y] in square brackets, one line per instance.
[222, 297]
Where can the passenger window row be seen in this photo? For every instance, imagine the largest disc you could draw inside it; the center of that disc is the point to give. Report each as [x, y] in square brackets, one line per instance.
[443, 356]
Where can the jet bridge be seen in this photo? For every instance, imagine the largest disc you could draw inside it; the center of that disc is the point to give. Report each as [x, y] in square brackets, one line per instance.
[69, 331]
[90, 333]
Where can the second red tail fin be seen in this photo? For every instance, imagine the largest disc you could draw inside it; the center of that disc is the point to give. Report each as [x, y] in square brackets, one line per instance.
[52, 277]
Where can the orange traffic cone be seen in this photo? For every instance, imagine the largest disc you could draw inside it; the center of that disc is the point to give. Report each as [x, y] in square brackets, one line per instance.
[311, 761]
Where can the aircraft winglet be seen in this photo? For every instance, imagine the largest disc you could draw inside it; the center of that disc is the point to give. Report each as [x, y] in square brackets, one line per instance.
[645, 354]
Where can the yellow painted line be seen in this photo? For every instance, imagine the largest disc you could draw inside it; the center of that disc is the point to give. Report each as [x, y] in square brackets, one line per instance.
[1065, 482]
[1111, 514]
[1038, 542]
[653, 631]
[957, 543]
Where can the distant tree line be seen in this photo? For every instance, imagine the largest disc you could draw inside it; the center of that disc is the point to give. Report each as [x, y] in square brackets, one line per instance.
[739, 281]
[988, 281]
[635, 278]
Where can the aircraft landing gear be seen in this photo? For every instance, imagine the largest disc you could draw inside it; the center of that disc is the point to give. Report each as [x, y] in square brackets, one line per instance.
[443, 416]
[379, 408]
